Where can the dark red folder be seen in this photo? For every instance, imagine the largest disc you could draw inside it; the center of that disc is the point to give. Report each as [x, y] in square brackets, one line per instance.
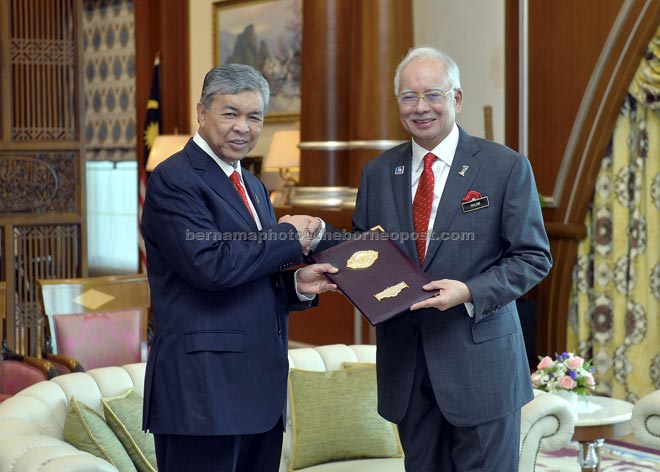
[391, 268]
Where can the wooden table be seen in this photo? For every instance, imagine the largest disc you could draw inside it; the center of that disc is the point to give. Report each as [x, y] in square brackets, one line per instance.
[611, 420]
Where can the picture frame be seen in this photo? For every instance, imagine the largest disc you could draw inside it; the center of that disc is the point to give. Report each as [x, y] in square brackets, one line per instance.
[266, 34]
[253, 164]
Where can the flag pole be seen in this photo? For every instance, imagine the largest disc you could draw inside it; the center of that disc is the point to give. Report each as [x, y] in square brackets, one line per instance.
[152, 128]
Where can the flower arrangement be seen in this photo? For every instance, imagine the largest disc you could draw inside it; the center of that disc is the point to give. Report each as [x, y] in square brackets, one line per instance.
[566, 372]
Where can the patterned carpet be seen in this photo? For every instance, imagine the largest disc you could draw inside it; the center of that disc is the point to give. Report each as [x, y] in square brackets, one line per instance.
[616, 456]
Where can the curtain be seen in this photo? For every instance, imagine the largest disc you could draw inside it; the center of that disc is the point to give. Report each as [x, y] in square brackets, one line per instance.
[109, 72]
[615, 303]
[112, 217]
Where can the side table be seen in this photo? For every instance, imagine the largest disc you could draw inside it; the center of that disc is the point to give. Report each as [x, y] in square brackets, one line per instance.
[611, 420]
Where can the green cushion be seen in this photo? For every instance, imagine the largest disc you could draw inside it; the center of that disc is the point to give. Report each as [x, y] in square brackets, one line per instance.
[334, 417]
[86, 430]
[124, 416]
[354, 364]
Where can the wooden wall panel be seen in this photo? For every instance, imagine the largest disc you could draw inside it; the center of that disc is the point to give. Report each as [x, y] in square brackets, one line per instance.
[565, 40]
[42, 183]
[161, 28]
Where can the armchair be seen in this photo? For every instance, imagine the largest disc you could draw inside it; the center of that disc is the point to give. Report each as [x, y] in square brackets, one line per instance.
[646, 420]
[96, 321]
[16, 376]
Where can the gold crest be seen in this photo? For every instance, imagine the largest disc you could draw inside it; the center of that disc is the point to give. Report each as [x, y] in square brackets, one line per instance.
[391, 292]
[362, 259]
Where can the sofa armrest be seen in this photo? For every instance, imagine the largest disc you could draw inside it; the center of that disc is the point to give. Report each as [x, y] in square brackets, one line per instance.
[547, 424]
[69, 362]
[43, 365]
[646, 419]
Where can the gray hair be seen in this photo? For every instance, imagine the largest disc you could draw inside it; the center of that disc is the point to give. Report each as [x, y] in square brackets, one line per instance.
[231, 79]
[453, 74]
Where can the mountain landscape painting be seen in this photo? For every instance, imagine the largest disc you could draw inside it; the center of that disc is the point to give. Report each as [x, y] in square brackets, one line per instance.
[266, 34]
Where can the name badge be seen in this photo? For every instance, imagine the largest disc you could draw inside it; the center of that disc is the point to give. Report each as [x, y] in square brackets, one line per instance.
[476, 204]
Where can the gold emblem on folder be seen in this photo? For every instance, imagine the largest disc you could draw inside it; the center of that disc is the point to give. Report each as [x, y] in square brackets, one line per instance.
[362, 259]
[391, 292]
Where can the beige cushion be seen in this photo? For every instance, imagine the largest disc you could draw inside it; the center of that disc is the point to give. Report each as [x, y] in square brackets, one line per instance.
[86, 430]
[334, 417]
[124, 416]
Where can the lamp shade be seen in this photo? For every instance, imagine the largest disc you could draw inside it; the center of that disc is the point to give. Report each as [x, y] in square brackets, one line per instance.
[164, 146]
[283, 151]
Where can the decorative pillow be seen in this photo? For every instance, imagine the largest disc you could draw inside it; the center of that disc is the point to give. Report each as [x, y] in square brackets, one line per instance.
[354, 364]
[124, 416]
[86, 430]
[334, 417]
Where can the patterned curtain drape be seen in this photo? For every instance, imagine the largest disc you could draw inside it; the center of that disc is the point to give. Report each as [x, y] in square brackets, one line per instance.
[615, 306]
[109, 70]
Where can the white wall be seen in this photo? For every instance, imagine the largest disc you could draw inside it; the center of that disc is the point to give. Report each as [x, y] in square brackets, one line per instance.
[471, 31]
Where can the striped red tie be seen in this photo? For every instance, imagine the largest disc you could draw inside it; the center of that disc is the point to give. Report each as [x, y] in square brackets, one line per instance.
[236, 180]
[422, 205]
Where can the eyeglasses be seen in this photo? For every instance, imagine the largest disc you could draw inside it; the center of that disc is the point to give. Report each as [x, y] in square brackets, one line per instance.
[409, 99]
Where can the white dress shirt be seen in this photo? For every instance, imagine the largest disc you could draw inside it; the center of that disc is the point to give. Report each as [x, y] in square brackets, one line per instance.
[444, 152]
[227, 169]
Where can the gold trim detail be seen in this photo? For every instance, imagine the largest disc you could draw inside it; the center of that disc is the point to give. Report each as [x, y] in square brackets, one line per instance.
[362, 259]
[391, 292]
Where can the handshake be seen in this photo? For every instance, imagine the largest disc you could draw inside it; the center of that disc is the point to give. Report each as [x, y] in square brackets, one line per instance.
[308, 227]
[310, 279]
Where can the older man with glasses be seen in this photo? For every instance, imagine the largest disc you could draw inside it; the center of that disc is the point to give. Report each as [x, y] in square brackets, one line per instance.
[452, 371]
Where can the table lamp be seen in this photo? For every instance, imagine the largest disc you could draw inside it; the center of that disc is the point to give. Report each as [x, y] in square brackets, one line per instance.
[284, 155]
[164, 146]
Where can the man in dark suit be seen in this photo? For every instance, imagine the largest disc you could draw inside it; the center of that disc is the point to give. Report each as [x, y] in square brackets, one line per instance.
[452, 372]
[215, 386]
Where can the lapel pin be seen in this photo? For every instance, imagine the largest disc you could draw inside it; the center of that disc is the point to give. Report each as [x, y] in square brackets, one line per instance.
[398, 170]
[463, 171]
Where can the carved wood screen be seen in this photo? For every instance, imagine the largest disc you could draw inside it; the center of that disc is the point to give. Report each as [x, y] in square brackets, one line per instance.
[42, 224]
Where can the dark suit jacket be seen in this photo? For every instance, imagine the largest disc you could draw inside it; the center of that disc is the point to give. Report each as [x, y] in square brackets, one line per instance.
[478, 365]
[218, 364]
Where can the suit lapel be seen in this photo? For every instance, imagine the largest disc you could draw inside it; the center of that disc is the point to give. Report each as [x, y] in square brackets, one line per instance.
[215, 178]
[401, 178]
[456, 187]
[259, 198]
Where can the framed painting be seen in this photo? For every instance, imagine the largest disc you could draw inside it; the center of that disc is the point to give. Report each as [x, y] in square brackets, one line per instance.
[266, 34]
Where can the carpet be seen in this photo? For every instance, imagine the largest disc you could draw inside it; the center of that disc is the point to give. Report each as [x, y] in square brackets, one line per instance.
[616, 456]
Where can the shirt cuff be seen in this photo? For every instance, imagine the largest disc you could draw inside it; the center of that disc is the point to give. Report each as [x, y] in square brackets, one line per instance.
[469, 306]
[315, 242]
[303, 297]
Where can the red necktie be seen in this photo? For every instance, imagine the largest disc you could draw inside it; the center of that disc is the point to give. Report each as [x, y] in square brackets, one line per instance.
[236, 180]
[422, 205]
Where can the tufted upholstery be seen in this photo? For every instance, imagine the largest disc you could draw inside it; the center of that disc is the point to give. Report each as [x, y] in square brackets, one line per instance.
[546, 422]
[646, 419]
[31, 422]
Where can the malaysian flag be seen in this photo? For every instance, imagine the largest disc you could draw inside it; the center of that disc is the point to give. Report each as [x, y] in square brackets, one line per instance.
[152, 126]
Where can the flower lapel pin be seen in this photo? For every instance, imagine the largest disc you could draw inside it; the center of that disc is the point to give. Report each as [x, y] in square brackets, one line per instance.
[473, 200]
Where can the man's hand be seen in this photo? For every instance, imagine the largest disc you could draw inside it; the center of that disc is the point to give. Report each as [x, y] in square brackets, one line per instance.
[449, 294]
[306, 226]
[312, 279]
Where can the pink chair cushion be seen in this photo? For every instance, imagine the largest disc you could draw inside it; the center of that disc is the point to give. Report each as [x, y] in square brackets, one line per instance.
[100, 339]
[17, 375]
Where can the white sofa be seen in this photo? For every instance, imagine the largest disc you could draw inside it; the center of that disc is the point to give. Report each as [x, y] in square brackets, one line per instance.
[646, 420]
[31, 422]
